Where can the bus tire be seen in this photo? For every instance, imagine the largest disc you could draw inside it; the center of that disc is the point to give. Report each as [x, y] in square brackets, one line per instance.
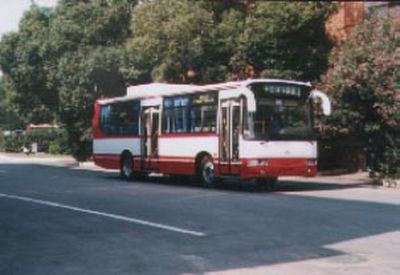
[268, 184]
[126, 166]
[206, 171]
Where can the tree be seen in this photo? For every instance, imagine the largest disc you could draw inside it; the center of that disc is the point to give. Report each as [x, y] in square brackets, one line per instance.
[98, 77]
[61, 60]
[87, 36]
[364, 83]
[9, 119]
[227, 40]
[169, 39]
[277, 39]
[24, 59]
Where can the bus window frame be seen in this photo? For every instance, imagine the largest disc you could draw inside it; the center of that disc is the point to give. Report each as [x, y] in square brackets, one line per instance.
[117, 133]
[190, 107]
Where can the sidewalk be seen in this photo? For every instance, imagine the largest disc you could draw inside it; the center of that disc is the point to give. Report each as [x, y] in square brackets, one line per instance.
[351, 178]
[39, 158]
[47, 159]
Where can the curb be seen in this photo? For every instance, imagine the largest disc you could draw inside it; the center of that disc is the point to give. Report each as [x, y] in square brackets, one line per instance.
[390, 183]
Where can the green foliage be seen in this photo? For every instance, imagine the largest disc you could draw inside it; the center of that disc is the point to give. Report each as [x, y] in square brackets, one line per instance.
[223, 40]
[61, 60]
[169, 39]
[13, 143]
[9, 119]
[60, 144]
[281, 39]
[23, 58]
[364, 84]
[43, 138]
[2, 142]
[54, 141]
[89, 62]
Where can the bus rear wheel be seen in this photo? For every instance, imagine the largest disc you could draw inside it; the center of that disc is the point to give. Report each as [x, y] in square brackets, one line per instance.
[206, 171]
[126, 167]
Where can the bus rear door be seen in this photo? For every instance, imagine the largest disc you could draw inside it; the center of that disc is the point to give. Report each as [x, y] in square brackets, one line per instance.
[149, 138]
[230, 125]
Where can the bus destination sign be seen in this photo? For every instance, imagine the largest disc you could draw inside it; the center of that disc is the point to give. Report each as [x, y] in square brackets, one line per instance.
[280, 90]
[203, 99]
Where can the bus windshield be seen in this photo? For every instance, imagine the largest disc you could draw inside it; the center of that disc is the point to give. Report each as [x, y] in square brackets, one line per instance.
[283, 112]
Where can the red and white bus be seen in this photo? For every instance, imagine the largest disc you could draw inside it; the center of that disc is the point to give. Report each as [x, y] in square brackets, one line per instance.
[254, 129]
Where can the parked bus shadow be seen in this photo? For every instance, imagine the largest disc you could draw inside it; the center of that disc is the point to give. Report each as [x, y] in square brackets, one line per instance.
[230, 184]
[227, 184]
[249, 186]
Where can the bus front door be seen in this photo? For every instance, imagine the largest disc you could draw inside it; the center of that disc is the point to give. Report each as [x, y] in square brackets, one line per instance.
[149, 138]
[230, 125]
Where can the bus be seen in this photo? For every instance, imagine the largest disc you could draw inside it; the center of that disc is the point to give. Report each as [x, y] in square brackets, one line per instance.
[253, 129]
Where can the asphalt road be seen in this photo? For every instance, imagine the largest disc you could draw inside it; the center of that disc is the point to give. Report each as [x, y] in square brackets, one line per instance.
[56, 220]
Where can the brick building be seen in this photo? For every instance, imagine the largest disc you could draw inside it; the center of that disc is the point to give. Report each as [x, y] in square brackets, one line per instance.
[352, 13]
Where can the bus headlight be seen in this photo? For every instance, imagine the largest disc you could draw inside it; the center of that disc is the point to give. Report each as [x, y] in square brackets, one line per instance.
[262, 162]
[257, 162]
[252, 163]
[311, 162]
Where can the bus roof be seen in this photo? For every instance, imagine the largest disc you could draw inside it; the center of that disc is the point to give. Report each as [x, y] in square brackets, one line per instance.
[153, 90]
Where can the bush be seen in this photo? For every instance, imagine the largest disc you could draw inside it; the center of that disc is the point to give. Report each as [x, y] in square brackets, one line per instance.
[43, 138]
[13, 143]
[389, 166]
[363, 82]
[60, 144]
[80, 143]
[2, 141]
[53, 141]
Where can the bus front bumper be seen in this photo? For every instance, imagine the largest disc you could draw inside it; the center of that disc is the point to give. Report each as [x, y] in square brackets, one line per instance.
[266, 168]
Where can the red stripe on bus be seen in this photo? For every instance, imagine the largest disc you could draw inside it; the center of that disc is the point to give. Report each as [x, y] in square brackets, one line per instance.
[108, 161]
[188, 135]
[186, 166]
[104, 136]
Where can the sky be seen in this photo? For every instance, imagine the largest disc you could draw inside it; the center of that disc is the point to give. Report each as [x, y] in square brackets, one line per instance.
[11, 12]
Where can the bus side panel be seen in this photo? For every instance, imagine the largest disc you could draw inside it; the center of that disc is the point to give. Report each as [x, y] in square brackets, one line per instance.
[107, 161]
[178, 154]
[278, 149]
[107, 151]
[177, 166]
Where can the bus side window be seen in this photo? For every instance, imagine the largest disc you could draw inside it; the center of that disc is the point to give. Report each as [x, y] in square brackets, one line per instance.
[105, 119]
[120, 118]
[203, 114]
[195, 114]
[176, 115]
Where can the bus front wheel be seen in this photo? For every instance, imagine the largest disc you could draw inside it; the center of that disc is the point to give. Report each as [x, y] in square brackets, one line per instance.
[206, 171]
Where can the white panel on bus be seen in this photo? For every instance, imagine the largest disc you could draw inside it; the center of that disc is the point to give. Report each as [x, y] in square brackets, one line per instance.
[188, 146]
[278, 149]
[116, 145]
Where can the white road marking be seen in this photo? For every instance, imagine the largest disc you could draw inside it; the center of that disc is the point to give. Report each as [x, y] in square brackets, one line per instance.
[103, 214]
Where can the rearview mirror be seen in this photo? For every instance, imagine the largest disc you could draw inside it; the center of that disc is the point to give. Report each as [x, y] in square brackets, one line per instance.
[325, 101]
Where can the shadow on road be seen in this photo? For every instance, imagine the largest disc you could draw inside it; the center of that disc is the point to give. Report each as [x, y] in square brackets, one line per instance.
[243, 229]
[248, 186]
[230, 184]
